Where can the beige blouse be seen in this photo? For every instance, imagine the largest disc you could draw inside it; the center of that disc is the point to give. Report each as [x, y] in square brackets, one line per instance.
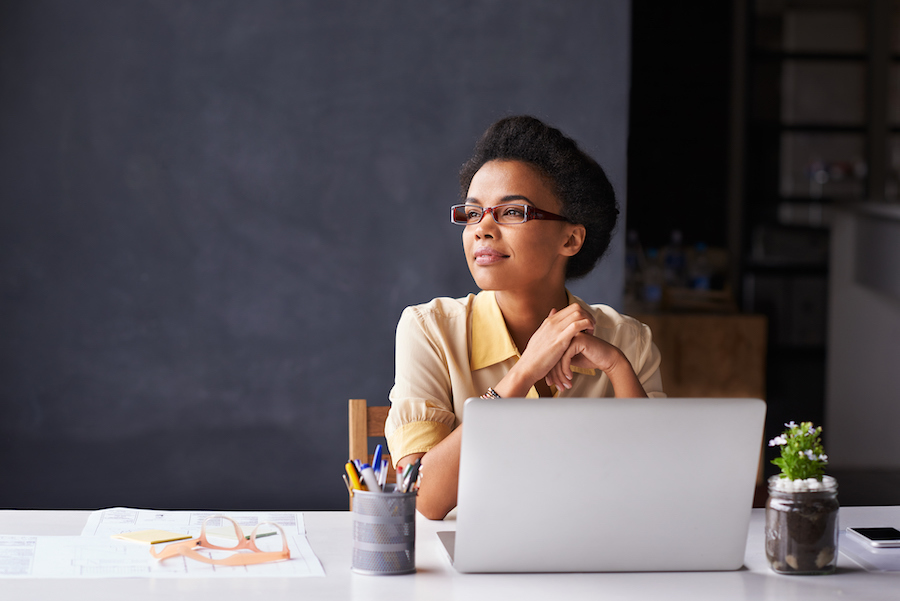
[450, 350]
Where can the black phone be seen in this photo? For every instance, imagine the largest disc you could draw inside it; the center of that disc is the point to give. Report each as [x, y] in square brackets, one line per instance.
[878, 537]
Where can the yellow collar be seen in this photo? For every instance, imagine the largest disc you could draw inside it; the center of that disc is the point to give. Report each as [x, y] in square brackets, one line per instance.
[491, 342]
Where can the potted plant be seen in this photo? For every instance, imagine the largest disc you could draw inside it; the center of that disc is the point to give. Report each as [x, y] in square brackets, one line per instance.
[802, 510]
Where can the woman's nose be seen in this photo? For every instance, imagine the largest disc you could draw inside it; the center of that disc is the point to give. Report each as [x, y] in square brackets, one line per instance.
[487, 227]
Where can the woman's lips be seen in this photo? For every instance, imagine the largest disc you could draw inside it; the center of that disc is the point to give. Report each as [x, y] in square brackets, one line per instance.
[488, 256]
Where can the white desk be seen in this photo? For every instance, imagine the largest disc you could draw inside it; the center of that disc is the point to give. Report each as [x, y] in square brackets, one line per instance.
[329, 534]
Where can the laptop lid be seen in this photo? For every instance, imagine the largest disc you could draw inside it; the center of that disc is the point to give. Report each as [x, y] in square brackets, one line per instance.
[588, 485]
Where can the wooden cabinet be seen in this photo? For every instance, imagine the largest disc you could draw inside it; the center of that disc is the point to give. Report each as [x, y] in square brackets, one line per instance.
[711, 355]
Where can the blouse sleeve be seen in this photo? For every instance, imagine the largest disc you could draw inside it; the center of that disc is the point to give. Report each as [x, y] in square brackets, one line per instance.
[421, 413]
[647, 366]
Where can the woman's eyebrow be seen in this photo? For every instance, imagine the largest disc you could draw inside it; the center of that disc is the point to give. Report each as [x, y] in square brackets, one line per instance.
[517, 197]
[507, 198]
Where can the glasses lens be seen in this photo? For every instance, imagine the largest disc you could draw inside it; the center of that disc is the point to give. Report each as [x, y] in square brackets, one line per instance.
[268, 538]
[221, 532]
[466, 214]
[510, 214]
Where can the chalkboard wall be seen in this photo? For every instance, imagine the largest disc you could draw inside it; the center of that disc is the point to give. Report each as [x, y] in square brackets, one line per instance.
[213, 214]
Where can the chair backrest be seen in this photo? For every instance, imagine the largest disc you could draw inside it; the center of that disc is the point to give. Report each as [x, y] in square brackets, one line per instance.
[366, 422]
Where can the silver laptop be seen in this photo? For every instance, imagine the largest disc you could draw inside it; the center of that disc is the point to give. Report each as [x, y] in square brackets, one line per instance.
[605, 485]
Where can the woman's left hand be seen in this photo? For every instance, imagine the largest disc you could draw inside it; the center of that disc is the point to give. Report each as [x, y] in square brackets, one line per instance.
[588, 352]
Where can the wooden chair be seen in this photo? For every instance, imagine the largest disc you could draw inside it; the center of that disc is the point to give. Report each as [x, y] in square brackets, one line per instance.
[367, 422]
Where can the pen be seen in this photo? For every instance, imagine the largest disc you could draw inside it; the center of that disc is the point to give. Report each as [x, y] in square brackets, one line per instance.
[383, 474]
[376, 459]
[354, 476]
[401, 474]
[411, 476]
[369, 478]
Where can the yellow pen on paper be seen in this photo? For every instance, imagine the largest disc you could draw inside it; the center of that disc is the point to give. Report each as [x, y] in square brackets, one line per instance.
[151, 537]
[354, 477]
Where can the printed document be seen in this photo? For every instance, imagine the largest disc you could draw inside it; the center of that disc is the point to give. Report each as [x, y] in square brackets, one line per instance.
[95, 554]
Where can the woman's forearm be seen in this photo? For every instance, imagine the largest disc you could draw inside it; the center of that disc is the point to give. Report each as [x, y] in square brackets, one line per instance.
[440, 466]
[439, 477]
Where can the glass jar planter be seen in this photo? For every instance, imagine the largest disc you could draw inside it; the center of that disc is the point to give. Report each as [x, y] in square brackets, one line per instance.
[802, 526]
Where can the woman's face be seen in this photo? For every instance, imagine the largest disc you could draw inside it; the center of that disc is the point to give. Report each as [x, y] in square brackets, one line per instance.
[530, 255]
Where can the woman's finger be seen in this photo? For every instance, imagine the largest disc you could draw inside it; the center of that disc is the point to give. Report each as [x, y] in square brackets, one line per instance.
[564, 368]
[557, 379]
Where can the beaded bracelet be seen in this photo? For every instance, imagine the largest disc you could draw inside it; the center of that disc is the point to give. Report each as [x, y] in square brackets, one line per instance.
[491, 394]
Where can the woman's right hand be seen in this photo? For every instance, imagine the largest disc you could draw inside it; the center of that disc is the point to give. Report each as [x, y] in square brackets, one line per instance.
[549, 342]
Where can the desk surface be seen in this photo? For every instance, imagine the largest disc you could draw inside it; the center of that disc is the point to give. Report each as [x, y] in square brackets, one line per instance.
[329, 534]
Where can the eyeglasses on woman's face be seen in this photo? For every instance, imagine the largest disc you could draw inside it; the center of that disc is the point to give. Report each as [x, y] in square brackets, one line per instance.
[505, 214]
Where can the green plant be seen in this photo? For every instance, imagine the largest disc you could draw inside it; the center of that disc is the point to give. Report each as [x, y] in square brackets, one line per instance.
[802, 455]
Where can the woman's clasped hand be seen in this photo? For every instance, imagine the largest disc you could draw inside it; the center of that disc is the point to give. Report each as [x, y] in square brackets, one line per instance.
[564, 340]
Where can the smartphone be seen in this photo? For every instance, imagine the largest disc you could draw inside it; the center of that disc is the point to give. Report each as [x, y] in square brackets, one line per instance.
[878, 537]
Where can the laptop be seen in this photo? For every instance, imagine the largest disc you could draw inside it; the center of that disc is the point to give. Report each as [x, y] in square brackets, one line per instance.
[605, 485]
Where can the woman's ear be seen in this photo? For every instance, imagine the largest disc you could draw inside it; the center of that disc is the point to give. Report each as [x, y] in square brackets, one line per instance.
[575, 240]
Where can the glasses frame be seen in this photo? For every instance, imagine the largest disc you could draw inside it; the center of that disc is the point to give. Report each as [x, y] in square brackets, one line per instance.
[188, 548]
[530, 212]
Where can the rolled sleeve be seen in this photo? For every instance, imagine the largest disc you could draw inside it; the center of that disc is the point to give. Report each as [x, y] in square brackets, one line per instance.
[421, 413]
[416, 437]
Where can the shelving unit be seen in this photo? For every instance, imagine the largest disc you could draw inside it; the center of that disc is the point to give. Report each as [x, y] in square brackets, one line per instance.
[819, 109]
[817, 133]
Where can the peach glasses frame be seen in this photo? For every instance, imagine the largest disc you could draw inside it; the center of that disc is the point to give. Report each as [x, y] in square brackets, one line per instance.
[188, 548]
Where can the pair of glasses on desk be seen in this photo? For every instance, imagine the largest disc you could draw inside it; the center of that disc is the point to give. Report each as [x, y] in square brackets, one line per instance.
[266, 543]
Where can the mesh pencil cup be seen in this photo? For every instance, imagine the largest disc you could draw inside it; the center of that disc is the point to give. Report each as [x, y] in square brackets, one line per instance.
[384, 532]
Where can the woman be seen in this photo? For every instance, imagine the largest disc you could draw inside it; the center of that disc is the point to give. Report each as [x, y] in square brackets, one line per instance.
[537, 211]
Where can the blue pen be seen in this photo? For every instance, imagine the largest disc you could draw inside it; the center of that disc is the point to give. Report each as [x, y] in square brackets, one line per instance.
[376, 460]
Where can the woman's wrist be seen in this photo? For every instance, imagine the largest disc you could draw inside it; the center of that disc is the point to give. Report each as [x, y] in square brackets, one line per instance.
[624, 379]
[616, 362]
[514, 384]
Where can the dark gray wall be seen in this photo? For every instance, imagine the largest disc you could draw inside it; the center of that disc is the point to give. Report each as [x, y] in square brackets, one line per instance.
[214, 212]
